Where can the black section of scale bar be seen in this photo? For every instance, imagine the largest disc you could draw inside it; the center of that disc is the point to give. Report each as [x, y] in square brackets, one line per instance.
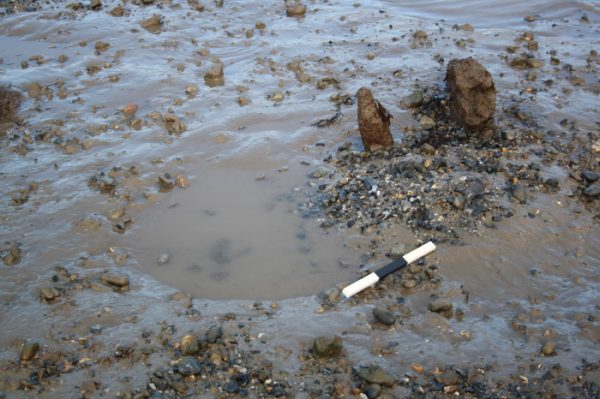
[390, 268]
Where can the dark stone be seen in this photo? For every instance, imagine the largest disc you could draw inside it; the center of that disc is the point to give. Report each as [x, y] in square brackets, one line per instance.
[373, 391]
[232, 387]
[384, 316]
[373, 121]
[327, 346]
[519, 193]
[449, 377]
[472, 93]
[593, 190]
[439, 306]
[590, 176]
[10, 101]
[551, 182]
[214, 333]
[189, 366]
[376, 375]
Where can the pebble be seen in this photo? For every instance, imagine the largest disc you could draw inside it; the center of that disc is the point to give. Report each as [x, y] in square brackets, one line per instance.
[30, 348]
[153, 24]
[549, 349]
[215, 76]
[163, 259]
[115, 279]
[519, 193]
[373, 391]
[398, 251]
[166, 181]
[49, 294]
[384, 316]
[182, 181]
[413, 100]
[376, 375]
[214, 333]
[327, 346]
[593, 190]
[318, 172]
[590, 176]
[448, 378]
[426, 122]
[189, 366]
[439, 306]
[190, 345]
[296, 10]
[183, 298]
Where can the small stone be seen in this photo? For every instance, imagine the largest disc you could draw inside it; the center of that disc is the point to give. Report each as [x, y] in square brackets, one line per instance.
[459, 201]
[552, 182]
[101, 46]
[590, 176]
[440, 306]
[427, 149]
[373, 121]
[163, 259]
[376, 375]
[296, 10]
[183, 298]
[426, 122]
[153, 24]
[30, 348]
[191, 91]
[448, 378]
[413, 100]
[214, 333]
[232, 387]
[129, 110]
[10, 101]
[420, 35]
[95, 5]
[190, 345]
[173, 124]
[277, 97]
[398, 251]
[318, 172]
[182, 181]
[118, 11]
[49, 294]
[116, 280]
[166, 181]
[215, 76]
[593, 190]
[327, 346]
[373, 391]
[549, 349]
[384, 316]
[409, 283]
[260, 25]
[519, 193]
[189, 366]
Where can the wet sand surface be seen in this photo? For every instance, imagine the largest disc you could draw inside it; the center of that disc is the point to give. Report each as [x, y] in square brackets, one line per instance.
[147, 199]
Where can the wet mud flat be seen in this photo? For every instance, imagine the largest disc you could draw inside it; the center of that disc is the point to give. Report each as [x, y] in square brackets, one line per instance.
[130, 195]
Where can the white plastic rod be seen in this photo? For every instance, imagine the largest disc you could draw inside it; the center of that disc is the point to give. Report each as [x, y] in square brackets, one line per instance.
[374, 277]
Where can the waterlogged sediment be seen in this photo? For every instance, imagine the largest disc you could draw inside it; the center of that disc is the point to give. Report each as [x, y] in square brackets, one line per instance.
[185, 193]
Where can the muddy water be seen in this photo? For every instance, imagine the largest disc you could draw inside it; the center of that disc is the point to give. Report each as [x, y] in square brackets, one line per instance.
[236, 232]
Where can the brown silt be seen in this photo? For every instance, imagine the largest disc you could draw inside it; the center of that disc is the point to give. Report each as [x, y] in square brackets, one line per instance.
[373, 121]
